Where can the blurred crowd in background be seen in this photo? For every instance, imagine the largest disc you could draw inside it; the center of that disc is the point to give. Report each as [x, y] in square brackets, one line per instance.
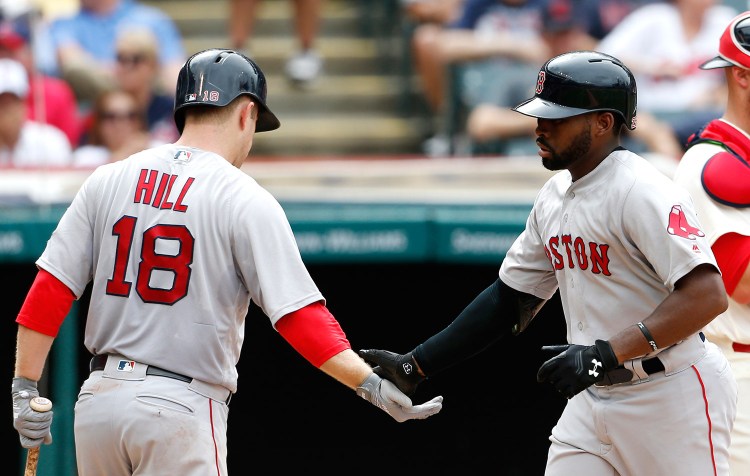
[85, 82]
[475, 57]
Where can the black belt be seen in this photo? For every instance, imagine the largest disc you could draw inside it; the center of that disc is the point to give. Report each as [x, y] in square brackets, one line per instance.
[99, 361]
[622, 375]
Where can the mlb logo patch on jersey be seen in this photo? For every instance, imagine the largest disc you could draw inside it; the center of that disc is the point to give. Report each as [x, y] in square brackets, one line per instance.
[125, 365]
[183, 155]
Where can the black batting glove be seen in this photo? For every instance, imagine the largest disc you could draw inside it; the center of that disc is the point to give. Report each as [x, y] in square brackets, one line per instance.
[576, 367]
[401, 369]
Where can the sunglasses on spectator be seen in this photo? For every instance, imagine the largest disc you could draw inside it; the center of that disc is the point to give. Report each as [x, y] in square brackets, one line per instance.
[131, 60]
[116, 115]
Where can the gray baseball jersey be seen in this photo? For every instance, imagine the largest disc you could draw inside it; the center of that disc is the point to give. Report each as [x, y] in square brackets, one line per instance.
[617, 239]
[615, 242]
[177, 242]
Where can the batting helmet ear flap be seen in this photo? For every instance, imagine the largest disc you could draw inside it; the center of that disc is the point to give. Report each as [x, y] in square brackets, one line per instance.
[214, 78]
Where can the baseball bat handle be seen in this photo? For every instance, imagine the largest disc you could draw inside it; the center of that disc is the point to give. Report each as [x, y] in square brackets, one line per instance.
[39, 404]
[32, 460]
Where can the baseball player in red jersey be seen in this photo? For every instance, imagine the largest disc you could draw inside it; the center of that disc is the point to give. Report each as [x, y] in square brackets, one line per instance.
[647, 394]
[716, 171]
[176, 241]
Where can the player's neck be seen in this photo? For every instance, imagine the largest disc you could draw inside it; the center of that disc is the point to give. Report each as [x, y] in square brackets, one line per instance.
[210, 141]
[737, 118]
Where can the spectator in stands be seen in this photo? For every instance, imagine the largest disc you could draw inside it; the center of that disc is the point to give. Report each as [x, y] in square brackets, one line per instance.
[440, 12]
[307, 64]
[137, 72]
[429, 18]
[25, 143]
[85, 43]
[50, 100]
[601, 16]
[566, 27]
[563, 29]
[491, 39]
[663, 44]
[117, 129]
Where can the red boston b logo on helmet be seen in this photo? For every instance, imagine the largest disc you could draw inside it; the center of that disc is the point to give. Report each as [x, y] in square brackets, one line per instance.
[540, 82]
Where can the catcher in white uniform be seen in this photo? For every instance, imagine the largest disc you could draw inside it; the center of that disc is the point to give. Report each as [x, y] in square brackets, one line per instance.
[716, 171]
[648, 395]
[176, 241]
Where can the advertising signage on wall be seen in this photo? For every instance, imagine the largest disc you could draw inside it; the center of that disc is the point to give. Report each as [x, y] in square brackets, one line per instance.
[330, 232]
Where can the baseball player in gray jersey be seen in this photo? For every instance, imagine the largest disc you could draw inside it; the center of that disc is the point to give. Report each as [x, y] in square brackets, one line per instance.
[176, 241]
[715, 172]
[647, 394]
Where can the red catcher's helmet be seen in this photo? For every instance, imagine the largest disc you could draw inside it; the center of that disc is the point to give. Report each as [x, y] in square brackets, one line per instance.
[214, 78]
[734, 45]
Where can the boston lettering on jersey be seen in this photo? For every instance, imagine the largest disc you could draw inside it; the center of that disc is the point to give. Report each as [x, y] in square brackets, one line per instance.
[567, 251]
[154, 190]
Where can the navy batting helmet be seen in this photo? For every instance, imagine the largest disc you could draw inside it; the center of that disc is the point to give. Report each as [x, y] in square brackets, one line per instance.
[215, 77]
[578, 82]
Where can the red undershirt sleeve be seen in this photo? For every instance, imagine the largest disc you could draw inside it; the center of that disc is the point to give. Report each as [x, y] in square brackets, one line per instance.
[47, 303]
[732, 253]
[313, 332]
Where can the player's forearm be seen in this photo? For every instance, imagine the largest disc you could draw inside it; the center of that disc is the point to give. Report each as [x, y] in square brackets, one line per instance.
[46, 305]
[485, 320]
[697, 299]
[348, 368]
[313, 332]
[32, 348]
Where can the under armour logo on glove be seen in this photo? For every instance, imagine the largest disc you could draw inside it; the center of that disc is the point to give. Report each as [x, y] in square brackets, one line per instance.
[401, 369]
[593, 371]
[567, 372]
[408, 368]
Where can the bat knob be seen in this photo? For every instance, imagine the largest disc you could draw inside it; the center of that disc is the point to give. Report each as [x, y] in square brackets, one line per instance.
[40, 404]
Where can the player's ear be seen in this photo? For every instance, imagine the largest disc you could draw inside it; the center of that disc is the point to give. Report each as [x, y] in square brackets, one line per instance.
[604, 122]
[741, 76]
[248, 114]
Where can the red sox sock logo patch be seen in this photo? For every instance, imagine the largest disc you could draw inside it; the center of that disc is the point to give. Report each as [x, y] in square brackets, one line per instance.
[679, 226]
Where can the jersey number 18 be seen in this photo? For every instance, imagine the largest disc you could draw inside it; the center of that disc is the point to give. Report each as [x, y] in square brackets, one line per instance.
[178, 264]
